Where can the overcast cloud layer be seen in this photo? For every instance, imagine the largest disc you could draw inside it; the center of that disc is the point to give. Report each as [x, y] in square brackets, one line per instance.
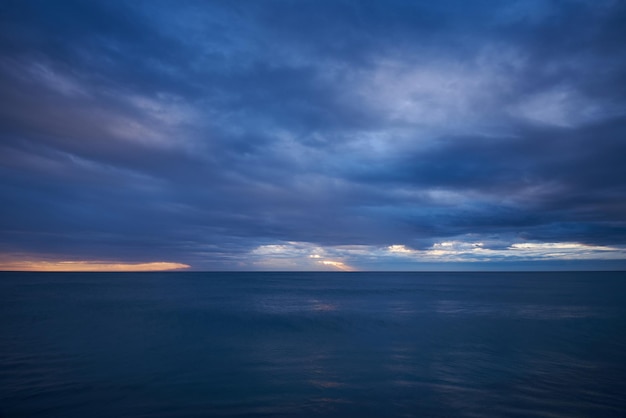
[314, 134]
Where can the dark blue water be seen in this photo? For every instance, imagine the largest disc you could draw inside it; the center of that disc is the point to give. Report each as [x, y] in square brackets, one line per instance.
[312, 344]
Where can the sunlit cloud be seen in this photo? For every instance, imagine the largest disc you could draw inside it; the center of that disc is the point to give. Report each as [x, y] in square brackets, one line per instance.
[337, 264]
[299, 256]
[567, 251]
[399, 249]
[307, 256]
[89, 266]
[472, 251]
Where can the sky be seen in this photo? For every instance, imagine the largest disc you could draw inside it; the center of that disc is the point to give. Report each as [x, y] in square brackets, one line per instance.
[312, 135]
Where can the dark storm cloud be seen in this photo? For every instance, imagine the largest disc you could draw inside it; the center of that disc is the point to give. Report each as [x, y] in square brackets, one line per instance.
[200, 132]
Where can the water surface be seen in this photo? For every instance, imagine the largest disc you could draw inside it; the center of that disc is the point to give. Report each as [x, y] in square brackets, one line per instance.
[312, 344]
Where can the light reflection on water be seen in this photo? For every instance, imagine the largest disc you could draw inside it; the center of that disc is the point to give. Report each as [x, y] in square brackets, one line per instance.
[366, 345]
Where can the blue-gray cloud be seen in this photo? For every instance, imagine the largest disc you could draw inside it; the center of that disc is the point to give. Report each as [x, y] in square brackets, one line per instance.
[201, 132]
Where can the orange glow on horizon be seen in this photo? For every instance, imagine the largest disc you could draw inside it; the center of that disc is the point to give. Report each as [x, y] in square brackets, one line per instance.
[337, 264]
[89, 266]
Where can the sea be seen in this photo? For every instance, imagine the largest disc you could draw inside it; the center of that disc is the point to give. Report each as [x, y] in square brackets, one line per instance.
[183, 344]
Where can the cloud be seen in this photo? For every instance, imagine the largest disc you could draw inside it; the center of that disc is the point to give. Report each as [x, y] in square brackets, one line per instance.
[463, 251]
[88, 266]
[564, 107]
[217, 133]
[299, 256]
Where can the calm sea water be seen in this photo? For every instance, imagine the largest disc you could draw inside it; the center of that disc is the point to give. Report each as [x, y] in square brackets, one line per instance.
[313, 344]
